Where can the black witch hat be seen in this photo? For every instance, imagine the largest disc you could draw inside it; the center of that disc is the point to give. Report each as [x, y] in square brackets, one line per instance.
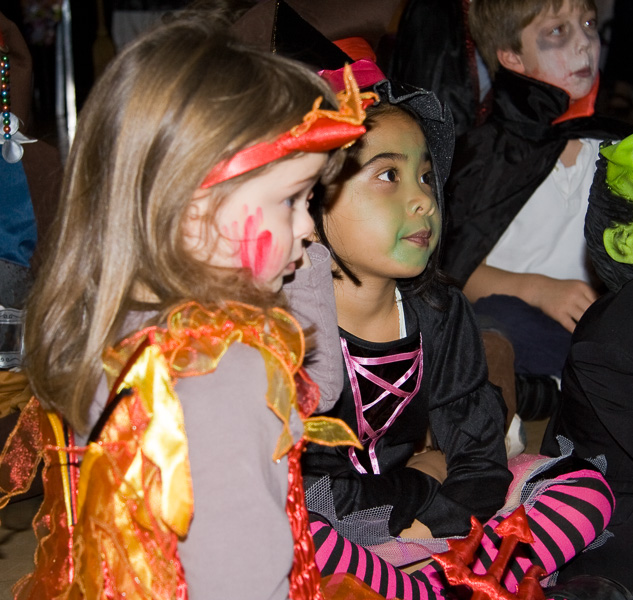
[276, 25]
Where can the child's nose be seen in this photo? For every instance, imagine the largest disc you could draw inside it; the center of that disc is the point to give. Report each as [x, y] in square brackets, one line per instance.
[304, 225]
[421, 203]
[584, 39]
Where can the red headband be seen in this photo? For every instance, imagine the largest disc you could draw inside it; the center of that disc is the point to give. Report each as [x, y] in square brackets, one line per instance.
[320, 131]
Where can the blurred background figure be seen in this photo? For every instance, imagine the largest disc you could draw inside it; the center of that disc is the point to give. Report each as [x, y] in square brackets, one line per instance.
[435, 51]
[30, 176]
[618, 70]
[132, 17]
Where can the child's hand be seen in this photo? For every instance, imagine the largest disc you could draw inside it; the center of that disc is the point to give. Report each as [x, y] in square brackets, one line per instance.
[565, 300]
[431, 462]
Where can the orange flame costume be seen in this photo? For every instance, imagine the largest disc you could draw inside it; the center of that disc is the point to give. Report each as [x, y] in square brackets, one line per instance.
[109, 524]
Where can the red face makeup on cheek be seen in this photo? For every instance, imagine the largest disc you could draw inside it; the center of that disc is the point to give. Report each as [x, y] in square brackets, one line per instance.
[256, 248]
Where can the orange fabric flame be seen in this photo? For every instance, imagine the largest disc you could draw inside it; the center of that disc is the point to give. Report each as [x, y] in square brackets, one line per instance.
[113, 530]
[512, 530]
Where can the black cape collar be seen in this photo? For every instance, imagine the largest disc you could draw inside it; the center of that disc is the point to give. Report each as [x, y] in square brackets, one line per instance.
[527, 107]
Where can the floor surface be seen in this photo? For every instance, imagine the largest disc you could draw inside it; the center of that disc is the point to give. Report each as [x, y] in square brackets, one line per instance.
[17, 543]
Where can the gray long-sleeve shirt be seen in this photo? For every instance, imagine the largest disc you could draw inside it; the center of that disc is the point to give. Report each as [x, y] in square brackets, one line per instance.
[240, 544]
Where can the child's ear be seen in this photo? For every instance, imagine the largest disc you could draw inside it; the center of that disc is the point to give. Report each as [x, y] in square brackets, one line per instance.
[511, 61]
[194, 223]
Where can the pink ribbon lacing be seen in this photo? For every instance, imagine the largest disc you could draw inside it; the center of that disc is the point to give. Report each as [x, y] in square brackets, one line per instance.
[355, 366]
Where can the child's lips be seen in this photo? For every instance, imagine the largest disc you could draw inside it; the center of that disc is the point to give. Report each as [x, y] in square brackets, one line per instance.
[584, 73]
[420, 238]
[291, 267]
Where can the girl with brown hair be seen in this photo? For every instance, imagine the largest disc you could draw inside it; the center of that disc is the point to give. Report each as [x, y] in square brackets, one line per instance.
[163, 366]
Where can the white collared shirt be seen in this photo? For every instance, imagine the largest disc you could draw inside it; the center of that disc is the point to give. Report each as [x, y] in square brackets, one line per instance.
[547, 235]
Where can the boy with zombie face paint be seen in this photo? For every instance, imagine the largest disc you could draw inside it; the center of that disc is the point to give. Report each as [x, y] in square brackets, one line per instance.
[518, 190]
[595, 412]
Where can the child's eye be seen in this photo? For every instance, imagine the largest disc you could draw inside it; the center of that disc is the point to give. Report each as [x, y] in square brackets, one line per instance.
[391, 175]
[590, 23]
[292, 201]
[558, 31]
[427, 178]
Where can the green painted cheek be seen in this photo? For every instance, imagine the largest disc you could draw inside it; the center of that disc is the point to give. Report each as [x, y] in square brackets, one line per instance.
[620, 167]
[618, 242]
[411, 256]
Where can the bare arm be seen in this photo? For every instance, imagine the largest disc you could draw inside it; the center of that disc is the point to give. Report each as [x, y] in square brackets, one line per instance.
[564, 300]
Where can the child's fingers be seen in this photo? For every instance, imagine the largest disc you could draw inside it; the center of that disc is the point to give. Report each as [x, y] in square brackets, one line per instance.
[566, 300]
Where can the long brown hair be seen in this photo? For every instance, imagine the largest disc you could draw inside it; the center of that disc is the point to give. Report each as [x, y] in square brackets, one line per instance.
[173, 104]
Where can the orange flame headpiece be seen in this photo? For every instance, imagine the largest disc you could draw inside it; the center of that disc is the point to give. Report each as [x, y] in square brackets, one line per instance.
[320, 131]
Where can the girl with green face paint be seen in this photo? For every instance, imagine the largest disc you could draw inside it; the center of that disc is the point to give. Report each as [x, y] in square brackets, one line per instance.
[384, 223]
[414, 366]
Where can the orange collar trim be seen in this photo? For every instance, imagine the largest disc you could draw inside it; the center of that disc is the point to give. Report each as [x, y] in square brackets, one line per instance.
[581, 108]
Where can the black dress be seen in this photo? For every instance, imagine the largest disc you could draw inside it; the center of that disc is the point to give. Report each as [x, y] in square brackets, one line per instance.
[464, 412]
[596, 414]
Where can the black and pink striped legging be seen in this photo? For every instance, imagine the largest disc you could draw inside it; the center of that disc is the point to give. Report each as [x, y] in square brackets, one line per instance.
[564, 518]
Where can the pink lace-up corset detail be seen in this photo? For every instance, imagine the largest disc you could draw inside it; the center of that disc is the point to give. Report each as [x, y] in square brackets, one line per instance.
[382, 388]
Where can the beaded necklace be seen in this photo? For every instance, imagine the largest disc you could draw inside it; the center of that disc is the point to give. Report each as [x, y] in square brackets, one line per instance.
[12, 140]
[5, 77]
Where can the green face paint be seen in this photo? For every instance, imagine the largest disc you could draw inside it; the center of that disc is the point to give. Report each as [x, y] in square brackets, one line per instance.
[620, 167]
[385, 222]
[618, 240]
